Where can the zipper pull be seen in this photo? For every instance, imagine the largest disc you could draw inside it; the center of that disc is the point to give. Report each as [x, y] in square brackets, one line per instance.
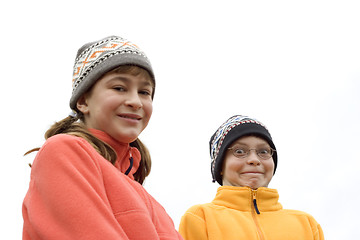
[131, 165]
[254, 202]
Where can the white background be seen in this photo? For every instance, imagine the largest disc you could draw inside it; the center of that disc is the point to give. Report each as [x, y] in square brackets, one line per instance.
[294, 65]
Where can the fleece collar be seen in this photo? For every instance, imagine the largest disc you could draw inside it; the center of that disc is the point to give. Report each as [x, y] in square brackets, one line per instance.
[123, 150]
[241, 198]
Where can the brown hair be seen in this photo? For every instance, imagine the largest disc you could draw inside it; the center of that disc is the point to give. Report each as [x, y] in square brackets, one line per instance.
[75, 126]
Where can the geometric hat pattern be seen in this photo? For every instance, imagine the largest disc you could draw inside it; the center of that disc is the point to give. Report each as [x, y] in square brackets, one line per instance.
[98, 52]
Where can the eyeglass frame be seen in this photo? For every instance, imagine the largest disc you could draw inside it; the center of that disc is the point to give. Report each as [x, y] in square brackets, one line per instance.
[256, 150]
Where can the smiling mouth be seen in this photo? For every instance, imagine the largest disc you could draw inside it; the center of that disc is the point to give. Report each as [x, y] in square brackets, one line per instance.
[252, 173]
[130, 116]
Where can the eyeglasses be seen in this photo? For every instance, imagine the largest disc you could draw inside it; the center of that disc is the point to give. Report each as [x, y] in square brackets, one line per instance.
[242, 152]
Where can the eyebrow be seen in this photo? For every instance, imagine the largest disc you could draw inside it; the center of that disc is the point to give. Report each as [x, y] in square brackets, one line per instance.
[145, 83]
[247, 145]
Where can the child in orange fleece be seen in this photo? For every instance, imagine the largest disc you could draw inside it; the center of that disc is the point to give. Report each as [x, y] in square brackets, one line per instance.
[86, 179]
[244, 159]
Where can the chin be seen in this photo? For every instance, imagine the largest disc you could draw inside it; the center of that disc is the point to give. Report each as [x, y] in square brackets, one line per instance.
[253, 185]
[130, 140]
[126, 138]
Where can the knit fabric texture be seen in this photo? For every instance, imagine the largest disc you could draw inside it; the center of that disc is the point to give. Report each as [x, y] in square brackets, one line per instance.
[94, 59]
[234, 128]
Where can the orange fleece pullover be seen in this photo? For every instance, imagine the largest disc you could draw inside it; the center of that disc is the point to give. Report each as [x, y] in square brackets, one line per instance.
[234, 215]
[75, 193]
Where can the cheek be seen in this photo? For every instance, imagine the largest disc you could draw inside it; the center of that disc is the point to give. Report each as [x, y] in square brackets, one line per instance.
[270, 164]
[148, 108]
[232, 166]
[269, 167]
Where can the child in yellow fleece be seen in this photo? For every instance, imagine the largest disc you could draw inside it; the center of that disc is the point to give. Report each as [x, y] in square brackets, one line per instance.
[244, 159]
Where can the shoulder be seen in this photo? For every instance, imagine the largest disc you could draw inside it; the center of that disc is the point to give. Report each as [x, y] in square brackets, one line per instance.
[296, 212]
[65, 143]
[198, 210]
[194, 213]
[307, 220]
[63, 140]
[300, 214]
[60, 149]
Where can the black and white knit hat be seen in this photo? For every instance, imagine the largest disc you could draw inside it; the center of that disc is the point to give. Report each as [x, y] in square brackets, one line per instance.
[234, 128]
[94, 59]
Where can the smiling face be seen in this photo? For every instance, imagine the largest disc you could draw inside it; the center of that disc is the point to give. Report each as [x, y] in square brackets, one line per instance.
[119, 104]
[250, 171]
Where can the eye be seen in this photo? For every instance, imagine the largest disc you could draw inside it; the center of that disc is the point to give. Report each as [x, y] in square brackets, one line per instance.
[145, 92]
[264, 151]
[119, 88]
[239, 151]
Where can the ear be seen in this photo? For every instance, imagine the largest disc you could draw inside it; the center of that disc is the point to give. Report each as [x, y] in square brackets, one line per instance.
[82, 105]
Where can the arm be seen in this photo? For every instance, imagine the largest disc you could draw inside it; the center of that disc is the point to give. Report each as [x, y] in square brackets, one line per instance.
[316, 229]
[321, 234]
[193, 225]
[66, 197]
[318, 235]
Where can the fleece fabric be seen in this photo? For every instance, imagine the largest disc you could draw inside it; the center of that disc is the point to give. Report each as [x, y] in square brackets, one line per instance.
[234, 214]
[75, 193]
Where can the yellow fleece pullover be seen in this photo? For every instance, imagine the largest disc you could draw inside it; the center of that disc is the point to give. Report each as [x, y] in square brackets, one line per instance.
[243, 213]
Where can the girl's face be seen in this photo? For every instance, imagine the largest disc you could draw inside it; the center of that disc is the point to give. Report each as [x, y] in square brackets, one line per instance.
[119, 104]
[250, 171]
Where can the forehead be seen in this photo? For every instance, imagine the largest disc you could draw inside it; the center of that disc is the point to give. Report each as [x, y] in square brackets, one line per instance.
[250, 140]
[134, 71]
[114, 77]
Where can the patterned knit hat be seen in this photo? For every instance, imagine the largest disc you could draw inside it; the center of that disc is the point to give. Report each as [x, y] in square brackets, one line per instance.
[94, 59]
[234, 128]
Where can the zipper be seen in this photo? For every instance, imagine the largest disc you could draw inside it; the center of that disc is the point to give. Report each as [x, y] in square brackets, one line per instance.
[131, 164]
[254, 202]
[254, 209]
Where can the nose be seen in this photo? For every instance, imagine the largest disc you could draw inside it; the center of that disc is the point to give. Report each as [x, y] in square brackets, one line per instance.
[253, 158]
[133, 100]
